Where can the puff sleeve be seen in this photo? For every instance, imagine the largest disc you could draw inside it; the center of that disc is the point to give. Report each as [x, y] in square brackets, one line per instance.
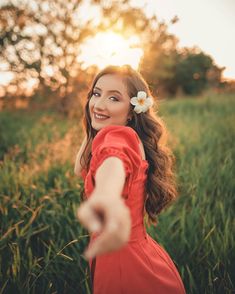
[118, 141]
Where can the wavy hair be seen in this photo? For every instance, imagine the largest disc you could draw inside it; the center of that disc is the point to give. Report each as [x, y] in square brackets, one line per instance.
[161, 181]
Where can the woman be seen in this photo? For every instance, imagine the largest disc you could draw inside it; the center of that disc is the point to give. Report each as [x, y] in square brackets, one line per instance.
[127, 170]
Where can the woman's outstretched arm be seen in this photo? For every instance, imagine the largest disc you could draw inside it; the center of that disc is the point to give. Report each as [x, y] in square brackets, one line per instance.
[110, 177]
[105, 211]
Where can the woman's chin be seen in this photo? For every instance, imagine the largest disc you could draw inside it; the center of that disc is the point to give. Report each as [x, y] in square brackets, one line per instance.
[98, 126]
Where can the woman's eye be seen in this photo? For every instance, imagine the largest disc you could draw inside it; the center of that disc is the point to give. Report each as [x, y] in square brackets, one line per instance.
[96, 94]
[115, 99]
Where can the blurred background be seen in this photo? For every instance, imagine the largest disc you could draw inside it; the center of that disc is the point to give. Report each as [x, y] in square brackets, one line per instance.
[49, 54]
[50, 50]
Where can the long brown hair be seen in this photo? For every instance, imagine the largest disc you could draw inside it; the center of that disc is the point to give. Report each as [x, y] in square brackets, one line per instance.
[161, 182]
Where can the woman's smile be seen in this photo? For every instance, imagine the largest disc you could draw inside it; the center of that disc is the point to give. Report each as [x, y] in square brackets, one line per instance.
[99, 117]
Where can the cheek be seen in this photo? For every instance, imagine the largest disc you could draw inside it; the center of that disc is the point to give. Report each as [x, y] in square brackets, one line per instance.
[121, 112]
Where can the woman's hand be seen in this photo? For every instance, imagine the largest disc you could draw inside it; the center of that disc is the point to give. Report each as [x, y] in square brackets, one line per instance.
[110, 217]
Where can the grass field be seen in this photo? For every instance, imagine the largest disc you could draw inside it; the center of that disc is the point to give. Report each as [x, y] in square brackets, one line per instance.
[40, 239]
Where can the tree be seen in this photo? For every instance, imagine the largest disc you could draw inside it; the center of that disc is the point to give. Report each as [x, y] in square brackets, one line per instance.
[41, 40]
[195, 71]
[160, 58]
[169, 69]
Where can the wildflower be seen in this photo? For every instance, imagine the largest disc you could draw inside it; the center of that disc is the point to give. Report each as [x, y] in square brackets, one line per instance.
[142, 103]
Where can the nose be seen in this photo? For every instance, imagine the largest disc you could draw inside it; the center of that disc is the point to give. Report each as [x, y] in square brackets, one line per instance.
[100, 104]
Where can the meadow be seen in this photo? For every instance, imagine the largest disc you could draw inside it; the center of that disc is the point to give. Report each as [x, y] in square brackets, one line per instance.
[41, 241]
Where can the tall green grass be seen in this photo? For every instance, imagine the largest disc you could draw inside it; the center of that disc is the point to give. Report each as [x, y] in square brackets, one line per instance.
[198, 230]
[41, 241]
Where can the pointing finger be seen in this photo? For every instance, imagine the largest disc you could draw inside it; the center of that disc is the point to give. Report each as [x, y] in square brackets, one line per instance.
[88, 218]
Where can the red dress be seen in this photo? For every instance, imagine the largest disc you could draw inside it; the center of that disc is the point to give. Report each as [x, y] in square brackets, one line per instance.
[142, 266]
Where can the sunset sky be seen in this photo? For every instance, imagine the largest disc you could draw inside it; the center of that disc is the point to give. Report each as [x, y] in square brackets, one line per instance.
[210, 25]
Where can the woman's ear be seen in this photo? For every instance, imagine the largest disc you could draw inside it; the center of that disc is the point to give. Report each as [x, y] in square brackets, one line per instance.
[130, 115]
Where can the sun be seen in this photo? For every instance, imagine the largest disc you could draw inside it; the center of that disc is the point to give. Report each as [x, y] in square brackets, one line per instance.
[110, 48]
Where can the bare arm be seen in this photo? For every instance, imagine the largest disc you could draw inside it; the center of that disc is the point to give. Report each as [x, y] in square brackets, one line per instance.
[110, 178]
[105, 211]
[77, 167]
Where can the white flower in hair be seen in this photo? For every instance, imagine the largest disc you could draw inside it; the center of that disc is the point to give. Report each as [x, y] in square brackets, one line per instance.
[142, 102]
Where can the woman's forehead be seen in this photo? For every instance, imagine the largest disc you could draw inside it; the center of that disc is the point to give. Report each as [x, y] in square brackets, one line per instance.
[111, 82]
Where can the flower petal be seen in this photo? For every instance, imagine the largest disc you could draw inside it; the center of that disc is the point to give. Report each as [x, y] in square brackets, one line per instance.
[138, 108]
[149, 101]
[145, 108]
[134, 101]
[141, 95]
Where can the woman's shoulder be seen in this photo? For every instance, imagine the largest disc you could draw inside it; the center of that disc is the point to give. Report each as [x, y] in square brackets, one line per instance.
[117, 137]
[118, 131]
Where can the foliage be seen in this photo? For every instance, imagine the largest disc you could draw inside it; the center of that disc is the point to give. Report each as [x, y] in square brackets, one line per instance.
[41, 40]
[194, 72]
[41, 241]
[169, 69]
[199, 229]
[43, 34]
[160, 58]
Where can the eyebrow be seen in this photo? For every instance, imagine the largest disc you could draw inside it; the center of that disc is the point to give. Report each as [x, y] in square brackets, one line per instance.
[110, 91]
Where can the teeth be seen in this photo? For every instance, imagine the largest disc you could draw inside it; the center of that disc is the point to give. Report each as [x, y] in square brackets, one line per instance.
[100, 116]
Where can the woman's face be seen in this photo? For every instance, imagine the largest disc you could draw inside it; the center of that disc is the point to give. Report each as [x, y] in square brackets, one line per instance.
[110, 101]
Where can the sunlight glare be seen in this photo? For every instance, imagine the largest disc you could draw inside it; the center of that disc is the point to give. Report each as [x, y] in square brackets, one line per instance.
[110, 48]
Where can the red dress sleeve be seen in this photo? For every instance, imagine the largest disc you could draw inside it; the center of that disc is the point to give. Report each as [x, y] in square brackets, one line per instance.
[121, 142]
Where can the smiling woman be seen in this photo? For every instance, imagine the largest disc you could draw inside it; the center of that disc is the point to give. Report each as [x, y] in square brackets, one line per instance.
[111, 48]
[108, 105]
[127, 174]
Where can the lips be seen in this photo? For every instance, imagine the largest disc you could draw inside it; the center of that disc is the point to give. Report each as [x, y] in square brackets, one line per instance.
[100, 114]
